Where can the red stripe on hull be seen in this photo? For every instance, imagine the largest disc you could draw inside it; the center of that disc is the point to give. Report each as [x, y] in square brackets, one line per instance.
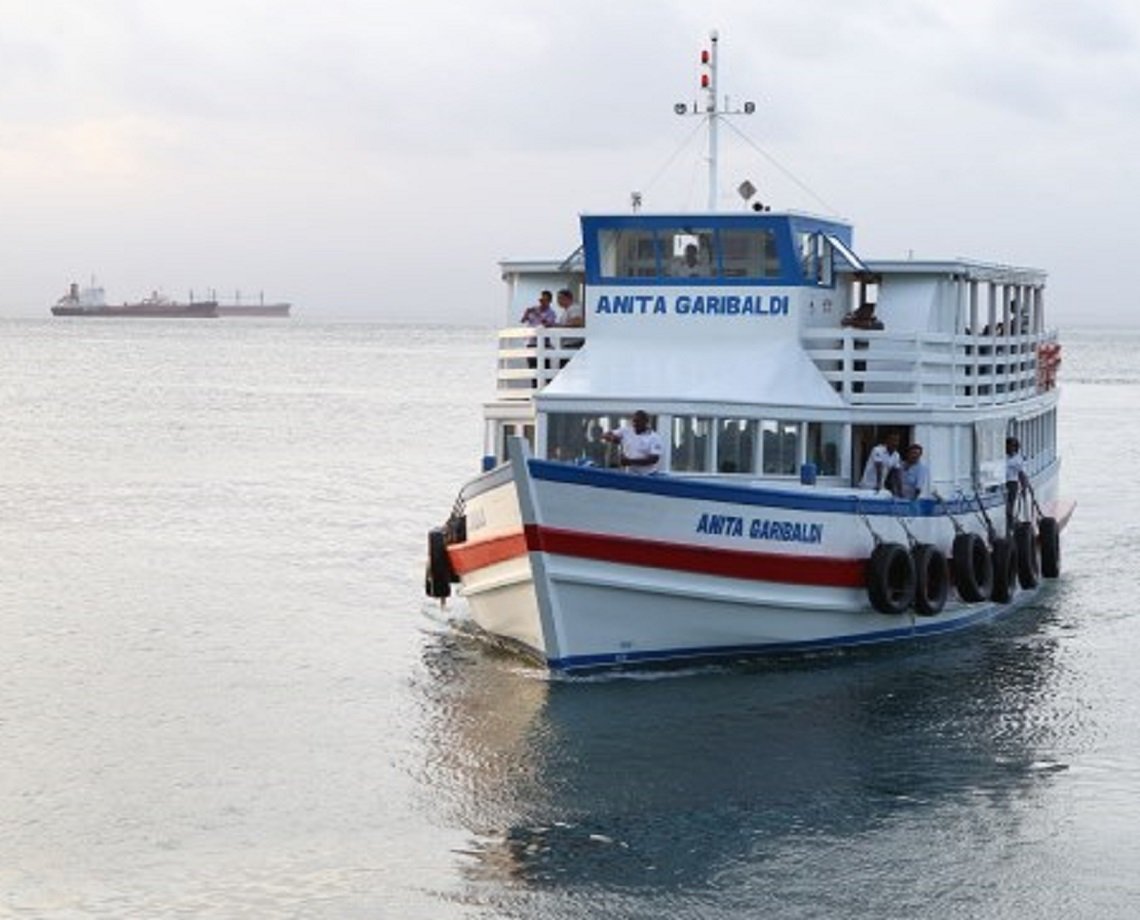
[702, 560]
[467, 557]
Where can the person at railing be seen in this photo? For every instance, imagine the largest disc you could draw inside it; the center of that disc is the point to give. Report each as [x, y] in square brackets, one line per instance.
[1016, 479]
[541, 313]
[862, 318]
[915, 475]
[570, 312]
[641, 446]
[882, 468]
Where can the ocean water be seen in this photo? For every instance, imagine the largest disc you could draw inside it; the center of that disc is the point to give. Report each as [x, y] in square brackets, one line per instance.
[222, 694]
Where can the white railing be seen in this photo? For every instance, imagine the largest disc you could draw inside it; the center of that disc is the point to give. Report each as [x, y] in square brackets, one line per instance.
[879, 367]
[529, 358]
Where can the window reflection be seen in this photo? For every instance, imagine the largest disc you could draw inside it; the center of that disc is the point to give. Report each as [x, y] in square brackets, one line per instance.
[689, 444]
[736, 445]
[781, 447]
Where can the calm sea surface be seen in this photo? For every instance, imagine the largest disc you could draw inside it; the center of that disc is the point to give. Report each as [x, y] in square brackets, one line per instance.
[222, 694]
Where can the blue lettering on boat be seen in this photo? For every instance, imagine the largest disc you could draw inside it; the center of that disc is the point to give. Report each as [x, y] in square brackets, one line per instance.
[785, 531]
[701, 304]
[726, 525]
[731, 525]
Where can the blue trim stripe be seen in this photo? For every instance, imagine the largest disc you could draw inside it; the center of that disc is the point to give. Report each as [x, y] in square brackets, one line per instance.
[707, 490]
[917, 631]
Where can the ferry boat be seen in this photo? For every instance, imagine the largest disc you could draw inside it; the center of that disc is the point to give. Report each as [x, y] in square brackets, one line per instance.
[91, 301]
[770, 358]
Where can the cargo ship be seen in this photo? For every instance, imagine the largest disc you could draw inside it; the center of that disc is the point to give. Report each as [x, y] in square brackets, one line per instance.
[91, 301]
[258, 308]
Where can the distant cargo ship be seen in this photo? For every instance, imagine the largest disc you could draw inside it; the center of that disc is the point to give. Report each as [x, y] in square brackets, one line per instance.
[91, 301]
[260, 308]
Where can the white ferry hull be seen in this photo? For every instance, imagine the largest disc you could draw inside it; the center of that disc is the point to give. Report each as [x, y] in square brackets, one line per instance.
[588, 568]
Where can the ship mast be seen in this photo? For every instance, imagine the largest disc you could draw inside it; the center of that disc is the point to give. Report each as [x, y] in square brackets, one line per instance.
[710, 111]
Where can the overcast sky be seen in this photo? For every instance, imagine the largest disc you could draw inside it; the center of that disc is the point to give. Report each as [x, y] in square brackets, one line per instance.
[374, 159]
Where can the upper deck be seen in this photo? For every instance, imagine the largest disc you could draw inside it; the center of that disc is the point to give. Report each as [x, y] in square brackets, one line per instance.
[770, 310]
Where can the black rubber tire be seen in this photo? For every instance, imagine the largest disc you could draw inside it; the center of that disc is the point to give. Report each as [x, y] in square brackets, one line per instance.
[973, 568]
[932, 579]
[890, 578]
[439, 574]
[1050, 536]
[1005, 571]
[1028, 564]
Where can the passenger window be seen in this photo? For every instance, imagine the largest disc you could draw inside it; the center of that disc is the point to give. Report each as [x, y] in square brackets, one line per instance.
[689, 448]
[781, 447]
[824, 443]
[736, 445]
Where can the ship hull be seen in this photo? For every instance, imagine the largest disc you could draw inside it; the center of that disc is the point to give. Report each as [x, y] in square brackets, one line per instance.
[135, 311]
[585, 568]
[278, 310]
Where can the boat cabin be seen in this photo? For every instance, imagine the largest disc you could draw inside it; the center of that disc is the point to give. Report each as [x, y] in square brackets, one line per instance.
[764, 347]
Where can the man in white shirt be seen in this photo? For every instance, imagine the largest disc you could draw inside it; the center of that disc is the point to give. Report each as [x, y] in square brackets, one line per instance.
[641, 446]
[883, 461]
[915, 476]
[1016, 479]
[569, 310]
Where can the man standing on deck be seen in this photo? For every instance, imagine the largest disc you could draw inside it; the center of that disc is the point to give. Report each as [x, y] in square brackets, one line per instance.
[641, 447]
[915, 477]
[541, 313]
[883, 465]
[1016, 481]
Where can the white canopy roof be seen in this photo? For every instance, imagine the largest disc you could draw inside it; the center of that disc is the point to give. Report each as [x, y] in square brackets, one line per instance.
[771, 373]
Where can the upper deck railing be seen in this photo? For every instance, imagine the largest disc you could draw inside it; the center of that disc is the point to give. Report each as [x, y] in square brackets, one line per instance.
[866, 367]
[877, 367]
[529, 357]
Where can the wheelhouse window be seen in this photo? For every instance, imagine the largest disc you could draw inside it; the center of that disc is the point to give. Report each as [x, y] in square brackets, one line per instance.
[629, 254]
[691, 254]
[746, 253]
[749, 254]
[736, 445]
[817, 258]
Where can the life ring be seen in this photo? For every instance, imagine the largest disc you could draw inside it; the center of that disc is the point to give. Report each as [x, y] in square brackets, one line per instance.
[1005, 571]
[1028, 565]
[973, 568]
[439, 574]
[890, 578]
[932, 579]
[1050, 537]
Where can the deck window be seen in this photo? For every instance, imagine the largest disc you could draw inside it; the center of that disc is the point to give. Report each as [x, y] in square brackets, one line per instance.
[781, 441]
[824, 446]
[576, 437]
[689, 444]
[736, 445]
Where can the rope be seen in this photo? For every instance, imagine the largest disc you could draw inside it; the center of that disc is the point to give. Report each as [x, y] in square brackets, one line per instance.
[958, 528]
[862, 516]
[787, 172]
